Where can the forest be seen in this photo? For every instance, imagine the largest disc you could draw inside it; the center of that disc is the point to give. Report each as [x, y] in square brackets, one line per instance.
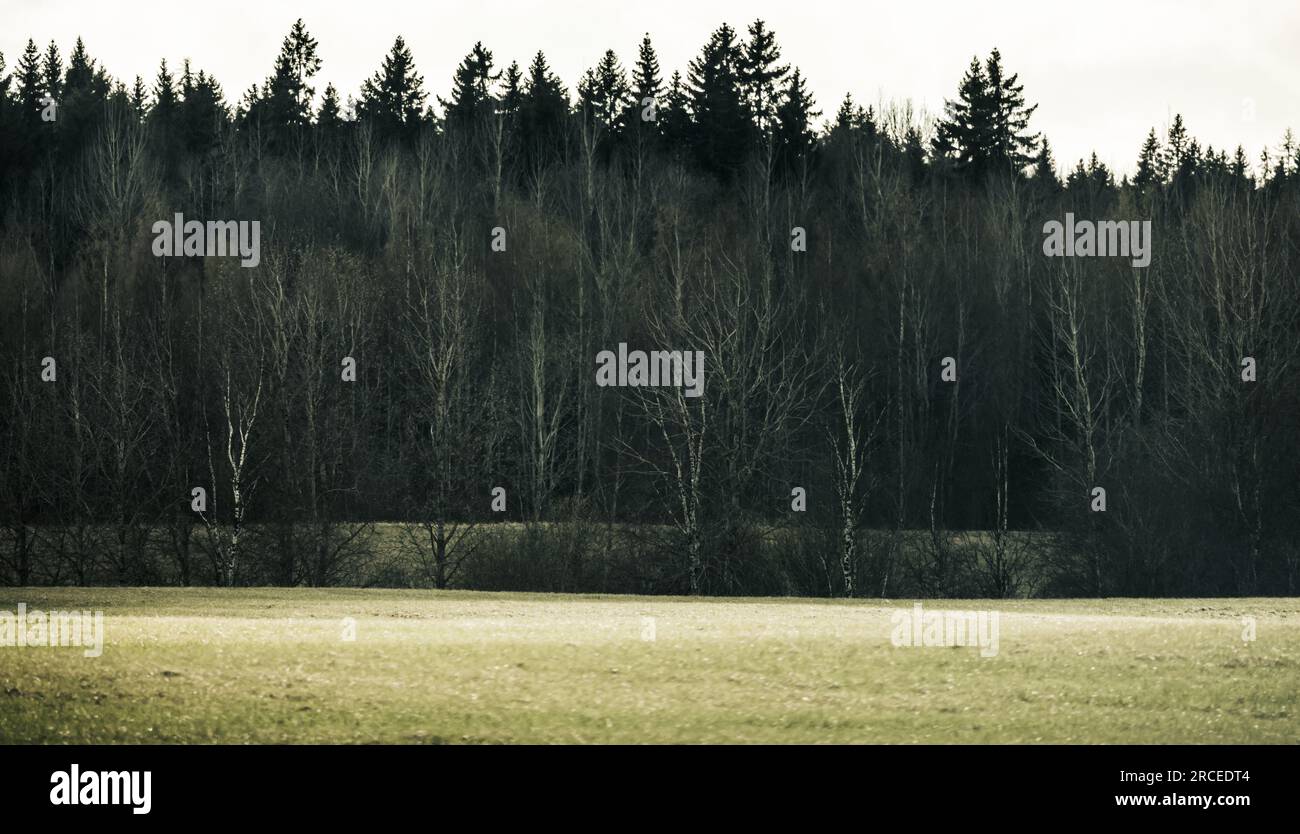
[902, 394]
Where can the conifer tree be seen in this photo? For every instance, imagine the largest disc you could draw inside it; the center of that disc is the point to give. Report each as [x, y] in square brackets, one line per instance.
[544, 113]
[80, 76]
[720, 135]
[29, 78]
[202, 110]
[675, 118]
[761, 75]
[796, 139]
[393, 98]
[913, 153]
[646, 85]
[1045, 168]
[163, 116]
[289, 93]
[1150, 167]
[52, 72]
[603, 93]
[330, 115]
[139, 99]
[964, 135]
[1012, 146]
[985, 129]
[1241, 168]
[471, 92]
[1175, 154]
[512, 95]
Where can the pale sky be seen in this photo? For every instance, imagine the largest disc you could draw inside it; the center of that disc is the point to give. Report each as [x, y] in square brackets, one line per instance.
[1103, 73]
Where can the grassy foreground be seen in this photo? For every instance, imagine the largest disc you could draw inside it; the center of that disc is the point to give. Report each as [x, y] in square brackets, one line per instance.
[271, 665]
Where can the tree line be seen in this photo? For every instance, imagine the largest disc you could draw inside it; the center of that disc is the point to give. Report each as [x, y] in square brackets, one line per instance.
[882, 334]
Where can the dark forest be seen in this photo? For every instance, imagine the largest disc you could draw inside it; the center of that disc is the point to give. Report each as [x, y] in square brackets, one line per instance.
[902, 393]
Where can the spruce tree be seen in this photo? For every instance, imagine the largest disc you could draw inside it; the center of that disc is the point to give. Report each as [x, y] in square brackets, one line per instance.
[761, 76]
[1241, 169]
[471, 96]
[330, 115]
[850, 116]
[1176, 149]
[1011, 145]
[80, 76]
[52, 72]
[139, 99]
[1150, 167]
[392, 100]
[1045, 168]
[796, 139]
[914, 153]
[289, 93]
[720, 132]
[162, 116]
[603, 93]
[985, 129]
[964, 136]
[544, 112]
[29, 79]
[646, 85]
[202, 111]
[675, 118]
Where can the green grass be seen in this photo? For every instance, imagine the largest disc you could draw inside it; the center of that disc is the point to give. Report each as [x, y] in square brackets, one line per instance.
[268, 665]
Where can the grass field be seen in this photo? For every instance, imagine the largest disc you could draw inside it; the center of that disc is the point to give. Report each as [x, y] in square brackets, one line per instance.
[272, 665]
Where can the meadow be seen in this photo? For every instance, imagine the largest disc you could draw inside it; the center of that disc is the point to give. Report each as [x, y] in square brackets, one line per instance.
[411, 666]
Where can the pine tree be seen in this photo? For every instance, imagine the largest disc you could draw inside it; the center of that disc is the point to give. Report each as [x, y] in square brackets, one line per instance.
[603, 93]
[646, 86]
[471, 96]
[761, 76]
[289, 92]
[1094, 180]
[29, 85]
[393, 98]
[964, 136]
[163, 114]
[720, 134]
[985, 129]
[1011, 145]
[1214, 165]
[139, 99]
[80, 76]
[52, 72]
[512, 95]
[1241, 168]
[202, 111]
[249, 110]
[914, 153]
[675, 118]
[845, 114]
[1045, 168]
[796, 139]
[1176, 148]
[852, 121]
[330, 115]
[164, 92]
[544, 112]
[1078, 179]
[1150, 167]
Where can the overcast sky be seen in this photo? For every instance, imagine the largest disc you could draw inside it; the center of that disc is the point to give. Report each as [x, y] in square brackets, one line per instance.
[1102, 73]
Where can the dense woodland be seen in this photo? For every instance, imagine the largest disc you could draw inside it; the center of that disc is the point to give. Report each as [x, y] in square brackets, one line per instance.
[660, 209]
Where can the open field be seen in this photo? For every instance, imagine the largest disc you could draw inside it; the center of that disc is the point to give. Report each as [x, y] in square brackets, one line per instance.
[271, 665]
